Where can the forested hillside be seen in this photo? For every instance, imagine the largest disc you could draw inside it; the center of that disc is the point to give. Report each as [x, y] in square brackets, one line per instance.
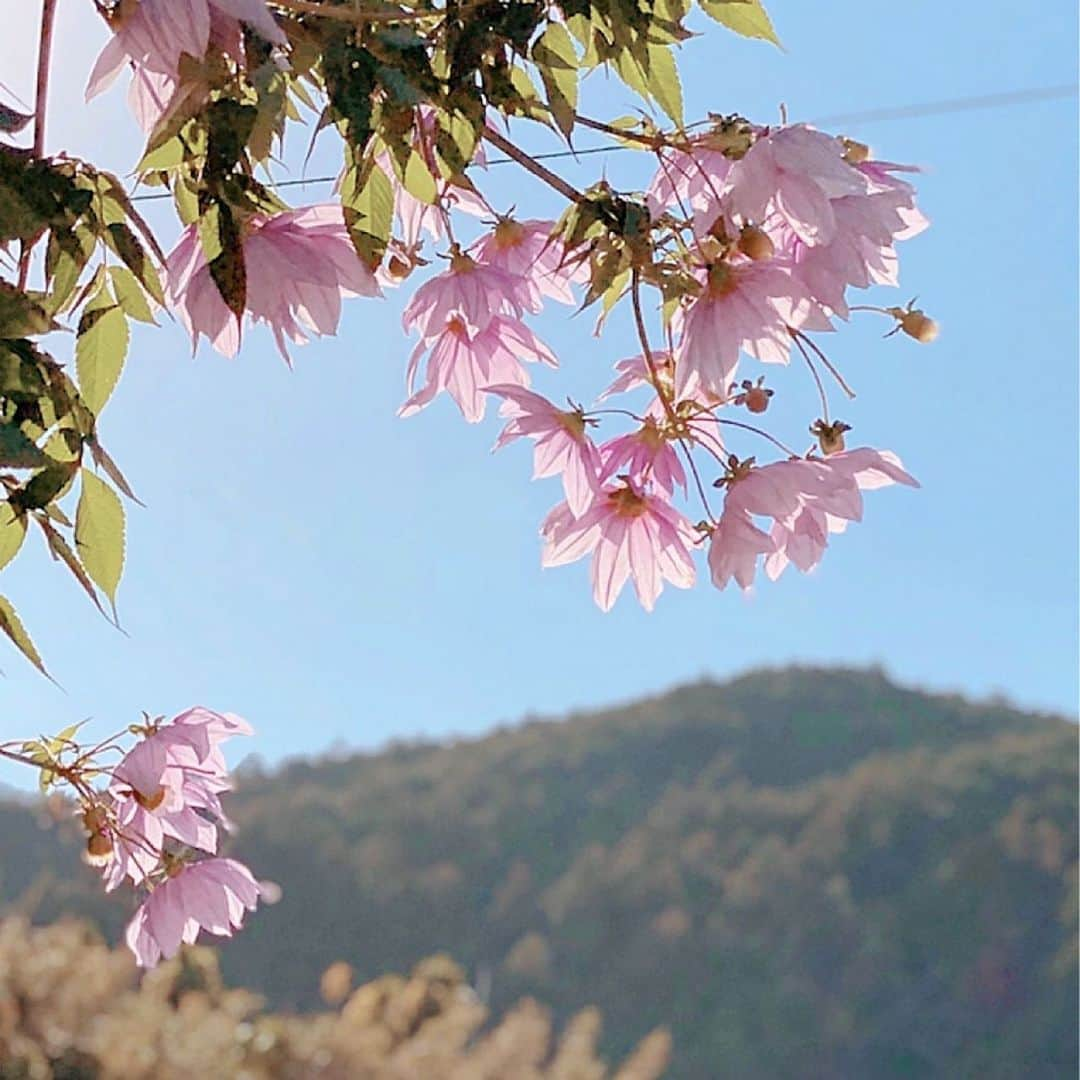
[799, 873]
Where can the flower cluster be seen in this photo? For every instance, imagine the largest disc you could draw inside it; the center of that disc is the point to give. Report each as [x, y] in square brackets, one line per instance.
[755, 237]
[157, 826]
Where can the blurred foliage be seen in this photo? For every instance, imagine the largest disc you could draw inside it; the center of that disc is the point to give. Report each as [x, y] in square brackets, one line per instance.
[70, 1009]
[802, 873]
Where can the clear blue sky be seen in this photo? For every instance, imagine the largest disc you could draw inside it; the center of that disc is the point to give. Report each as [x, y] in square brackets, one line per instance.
[334, 573]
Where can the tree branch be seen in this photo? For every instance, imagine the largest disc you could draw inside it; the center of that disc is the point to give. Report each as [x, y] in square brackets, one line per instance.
[568, 191]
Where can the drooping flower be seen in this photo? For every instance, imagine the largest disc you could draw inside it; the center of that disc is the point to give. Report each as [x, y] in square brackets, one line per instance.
[153, 35]
[562, 443]
[744, 306]
[471, 291]
[167, 787]
[779, 491]
[464, 362]
[801, 538]
[528, 249]
[644, 455]
[795, 172]
[630, 533]
[299, 264]
[694, 181]
[734, 548]
[211, 895]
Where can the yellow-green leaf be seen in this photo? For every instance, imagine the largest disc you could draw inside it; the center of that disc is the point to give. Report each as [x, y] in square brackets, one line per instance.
[130, 294]
[555, 56]
[418, 180]
[663, 82]
[746, 17]
[99, 534]
[100, 351]
[12, 533]
[12, 626]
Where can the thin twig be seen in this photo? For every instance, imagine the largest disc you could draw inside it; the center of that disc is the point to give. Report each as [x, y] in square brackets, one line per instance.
[345, 14]
[825, 360]
[654, 374]
[41, 97]
[817, 378]
[568, 191]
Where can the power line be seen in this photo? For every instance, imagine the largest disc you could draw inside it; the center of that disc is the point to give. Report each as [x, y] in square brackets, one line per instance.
[900, 112]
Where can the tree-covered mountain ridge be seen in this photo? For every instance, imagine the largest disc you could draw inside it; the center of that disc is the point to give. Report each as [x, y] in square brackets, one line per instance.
[800, 872]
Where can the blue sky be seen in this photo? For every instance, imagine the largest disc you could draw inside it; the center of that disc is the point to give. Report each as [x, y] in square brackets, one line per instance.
[336, 574]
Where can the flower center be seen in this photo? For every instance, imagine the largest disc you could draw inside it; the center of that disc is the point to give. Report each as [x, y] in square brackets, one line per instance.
[508, 234]
[722, 280]
[627, 503]
[149, 802]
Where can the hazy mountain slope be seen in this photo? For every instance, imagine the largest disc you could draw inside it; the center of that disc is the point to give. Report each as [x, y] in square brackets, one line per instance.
[801, 872]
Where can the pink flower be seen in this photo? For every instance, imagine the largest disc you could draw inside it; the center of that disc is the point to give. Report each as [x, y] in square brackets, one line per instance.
[778, 490]
[153, 35]
[527, 249]
[796, 172]
[744, 306]
[630, 534]
[734, 549]
[211, 895]
[299, 265]
[562, 445]
[802, 538]
[644, 455]
[693, 181]
[464, 362]
[473, 292]
[168, 786]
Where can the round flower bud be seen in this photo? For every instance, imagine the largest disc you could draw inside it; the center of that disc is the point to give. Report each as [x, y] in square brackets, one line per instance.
[755, 244]
[397, 267]
[757, 399]
[919, 326]
[99, 845]
[855, 153]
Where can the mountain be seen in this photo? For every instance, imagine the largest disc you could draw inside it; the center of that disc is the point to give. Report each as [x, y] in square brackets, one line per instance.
[798, 872]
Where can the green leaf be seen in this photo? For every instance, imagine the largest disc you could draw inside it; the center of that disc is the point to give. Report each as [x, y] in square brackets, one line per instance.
[21, 315]
[369, 213]
[100, 351]
[663, 82]
[125, 243]
[224, 251]
[746, 17]
[42, 487]
[11, 624]
[12, 533]
[18, 450]
[130, 295]
[556, 58]
[99, 534]
[418, 180]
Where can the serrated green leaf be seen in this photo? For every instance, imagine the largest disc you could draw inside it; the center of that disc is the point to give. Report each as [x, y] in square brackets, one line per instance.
[130, 295]
[418, 180]
[12, 626]
[556, 58]
[12, 533]
[663, 82]
[746, 17]
[369, 213]
[100, 350]
[99, 534]
[18, 450]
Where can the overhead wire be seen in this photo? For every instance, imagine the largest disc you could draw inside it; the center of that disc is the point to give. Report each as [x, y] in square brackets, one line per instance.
[899, 112]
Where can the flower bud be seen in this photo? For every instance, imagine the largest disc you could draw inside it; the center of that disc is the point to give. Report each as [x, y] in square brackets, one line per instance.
[397, 267]
[830, 437]
[855, 153]
[919, 326]
[755, 244]
[757, 399]
[99, 846]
